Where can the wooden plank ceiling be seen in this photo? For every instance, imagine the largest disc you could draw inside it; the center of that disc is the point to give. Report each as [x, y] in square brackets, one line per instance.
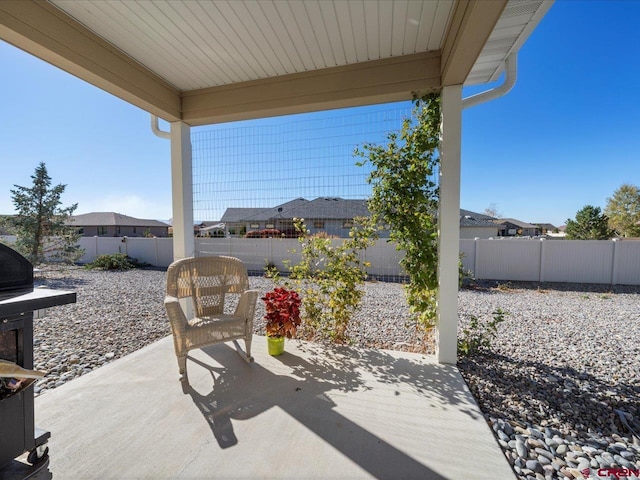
[211, 61]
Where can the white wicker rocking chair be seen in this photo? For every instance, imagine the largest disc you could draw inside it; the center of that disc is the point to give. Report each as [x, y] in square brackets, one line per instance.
[208, 281]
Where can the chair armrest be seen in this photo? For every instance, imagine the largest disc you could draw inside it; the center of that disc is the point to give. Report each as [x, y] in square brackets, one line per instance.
[247, 305]
[176, 315]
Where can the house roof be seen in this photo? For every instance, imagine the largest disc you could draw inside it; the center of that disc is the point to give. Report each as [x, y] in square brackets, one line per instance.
[214, 61]
[514, 221]
[235, 215]
[546, 226]
[108, 219]
[325, 208]
[474, 219]
[330, 208]
[279, 211]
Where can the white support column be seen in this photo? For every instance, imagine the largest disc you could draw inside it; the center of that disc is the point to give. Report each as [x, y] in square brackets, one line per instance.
[182, 191]
[449, 225]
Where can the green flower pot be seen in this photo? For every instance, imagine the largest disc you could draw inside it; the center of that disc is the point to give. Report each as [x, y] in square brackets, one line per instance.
[275, 345]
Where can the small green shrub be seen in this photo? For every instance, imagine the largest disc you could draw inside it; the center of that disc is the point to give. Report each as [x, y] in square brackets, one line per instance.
[464, 275]
[477, 337]
[271, 271]
[330, 276]
[505, 287]
[114, 261]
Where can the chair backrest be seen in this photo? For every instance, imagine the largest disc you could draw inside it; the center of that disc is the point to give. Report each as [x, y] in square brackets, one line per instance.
[207, 280]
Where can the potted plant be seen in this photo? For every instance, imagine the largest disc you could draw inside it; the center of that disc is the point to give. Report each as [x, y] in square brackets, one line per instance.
[283, 317]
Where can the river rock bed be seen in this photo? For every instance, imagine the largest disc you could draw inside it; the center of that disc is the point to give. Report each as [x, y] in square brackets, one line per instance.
[562, 375]
[562, 379]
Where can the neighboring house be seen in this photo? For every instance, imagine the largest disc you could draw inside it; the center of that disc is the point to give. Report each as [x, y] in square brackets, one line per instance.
[560, 233]
[551, 231]
[332, 215]
[545, 227]
[511, 227]
[477, 225]
[210, 229]
[327, 214]
[111, 224]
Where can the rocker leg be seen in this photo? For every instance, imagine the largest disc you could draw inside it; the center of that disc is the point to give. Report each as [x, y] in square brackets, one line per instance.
[247, 344]
[182, 367]
[246, 356]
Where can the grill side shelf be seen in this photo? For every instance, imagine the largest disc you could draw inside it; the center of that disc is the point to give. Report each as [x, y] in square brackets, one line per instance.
[37, 299]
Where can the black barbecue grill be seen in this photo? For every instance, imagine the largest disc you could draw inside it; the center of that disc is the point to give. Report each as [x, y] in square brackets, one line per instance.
[18, 302]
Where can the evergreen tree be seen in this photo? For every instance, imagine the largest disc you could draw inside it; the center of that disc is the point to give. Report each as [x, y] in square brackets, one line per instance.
[623, 210]
[41, 222]
[590, 224]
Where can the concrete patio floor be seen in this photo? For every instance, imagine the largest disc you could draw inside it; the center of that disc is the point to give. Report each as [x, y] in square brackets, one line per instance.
[314, 412]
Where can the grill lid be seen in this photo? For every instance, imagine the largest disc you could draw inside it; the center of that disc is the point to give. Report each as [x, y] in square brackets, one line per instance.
[16, 272]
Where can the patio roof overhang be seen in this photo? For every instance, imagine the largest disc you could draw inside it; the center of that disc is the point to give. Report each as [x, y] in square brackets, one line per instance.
[218, 61]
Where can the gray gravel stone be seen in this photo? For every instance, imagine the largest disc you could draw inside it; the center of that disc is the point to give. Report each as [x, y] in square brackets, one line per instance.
[534, 466]
[521, 449]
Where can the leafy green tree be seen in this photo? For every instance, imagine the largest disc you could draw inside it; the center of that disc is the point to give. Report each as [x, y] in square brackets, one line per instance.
[623, 210]
[405, 197]
[590, 224]
[40, 223]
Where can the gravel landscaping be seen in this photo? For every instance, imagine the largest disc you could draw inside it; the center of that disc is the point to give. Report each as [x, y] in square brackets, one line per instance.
[563, 370]
[561, 381]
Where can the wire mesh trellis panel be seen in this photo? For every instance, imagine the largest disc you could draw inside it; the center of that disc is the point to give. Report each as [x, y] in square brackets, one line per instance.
[250, 179]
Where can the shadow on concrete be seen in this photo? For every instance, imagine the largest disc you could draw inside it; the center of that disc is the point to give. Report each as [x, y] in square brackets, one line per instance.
[16, 469]
[242, 391]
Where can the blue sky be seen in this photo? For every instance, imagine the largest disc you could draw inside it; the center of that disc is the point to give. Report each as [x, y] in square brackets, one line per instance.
[567, 135]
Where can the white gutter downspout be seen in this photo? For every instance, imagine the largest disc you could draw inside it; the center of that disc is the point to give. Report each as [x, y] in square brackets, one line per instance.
[156, 129]
[511, 68]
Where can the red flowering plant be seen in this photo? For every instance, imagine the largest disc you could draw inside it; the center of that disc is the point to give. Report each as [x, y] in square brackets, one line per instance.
[283, 312]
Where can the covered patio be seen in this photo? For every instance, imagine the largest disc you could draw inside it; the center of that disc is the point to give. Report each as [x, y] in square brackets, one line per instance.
[199, 63]
[315, 412]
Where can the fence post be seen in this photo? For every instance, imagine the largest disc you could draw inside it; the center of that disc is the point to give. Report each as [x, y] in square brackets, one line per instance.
[542, 250]
[155, 244]
[476, 240]
[270, 251]
[614, 263]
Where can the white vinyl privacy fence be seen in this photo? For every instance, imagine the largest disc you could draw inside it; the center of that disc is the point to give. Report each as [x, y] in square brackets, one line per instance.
[579, 261]
[258, 252]
[575, 261]
[154, 251]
